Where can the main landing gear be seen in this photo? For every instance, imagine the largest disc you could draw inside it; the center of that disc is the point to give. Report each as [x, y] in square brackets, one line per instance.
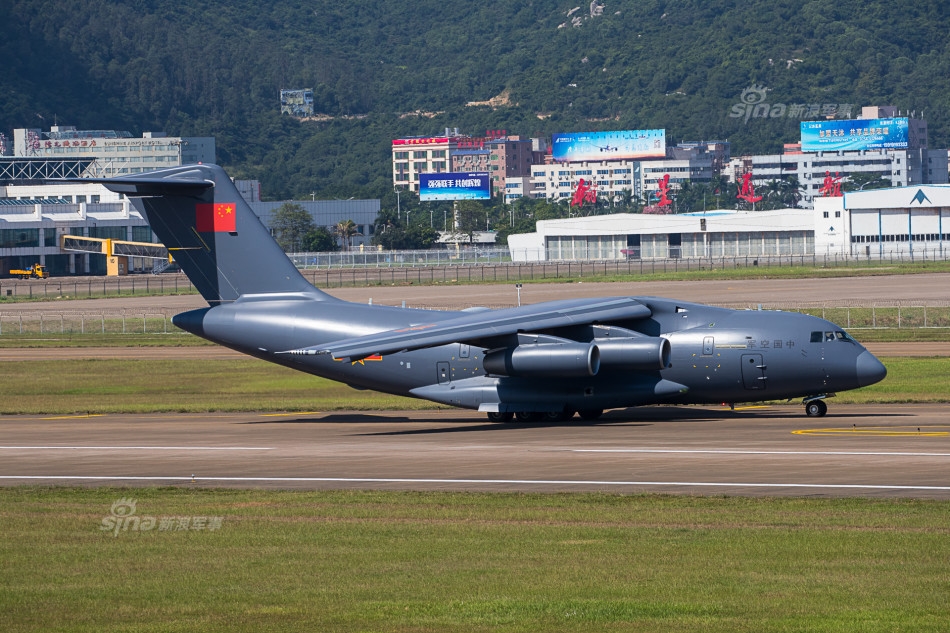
[816, 407]
[548, 416]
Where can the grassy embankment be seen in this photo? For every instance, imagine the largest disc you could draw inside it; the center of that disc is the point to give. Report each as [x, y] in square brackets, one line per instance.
[140, 386]
[396, 561]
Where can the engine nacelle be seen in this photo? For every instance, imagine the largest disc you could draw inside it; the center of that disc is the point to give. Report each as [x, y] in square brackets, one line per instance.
[549, 359]
[641, 353]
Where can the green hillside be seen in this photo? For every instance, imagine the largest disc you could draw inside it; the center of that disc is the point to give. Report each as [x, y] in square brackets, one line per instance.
[382, 69]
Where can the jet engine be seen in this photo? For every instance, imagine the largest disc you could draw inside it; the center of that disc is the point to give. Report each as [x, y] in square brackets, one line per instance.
[546, 359]
[641, 353]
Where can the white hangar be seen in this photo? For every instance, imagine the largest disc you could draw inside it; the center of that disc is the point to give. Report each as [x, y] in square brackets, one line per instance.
[902, 221]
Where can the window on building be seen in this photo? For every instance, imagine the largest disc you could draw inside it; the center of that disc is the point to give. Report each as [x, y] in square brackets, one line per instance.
[19, 238]
[141, 234]
[109, 232]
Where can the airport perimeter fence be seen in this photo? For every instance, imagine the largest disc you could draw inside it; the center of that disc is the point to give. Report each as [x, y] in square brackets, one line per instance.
[881, 315]
[435, 271]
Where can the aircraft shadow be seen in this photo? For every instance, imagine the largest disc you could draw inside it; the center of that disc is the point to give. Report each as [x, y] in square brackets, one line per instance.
[634, 416]
[335, 418]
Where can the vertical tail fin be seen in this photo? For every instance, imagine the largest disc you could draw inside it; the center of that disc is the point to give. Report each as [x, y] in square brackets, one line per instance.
[209, 229]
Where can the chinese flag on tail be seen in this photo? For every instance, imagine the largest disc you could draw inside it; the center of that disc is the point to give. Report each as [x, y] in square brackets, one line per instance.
[215, 218]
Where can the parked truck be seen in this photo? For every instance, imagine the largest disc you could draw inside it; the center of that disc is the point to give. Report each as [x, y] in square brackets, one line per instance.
[36, 271]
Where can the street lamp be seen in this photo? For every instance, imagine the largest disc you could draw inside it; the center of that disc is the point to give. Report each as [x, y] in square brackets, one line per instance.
[398, 208]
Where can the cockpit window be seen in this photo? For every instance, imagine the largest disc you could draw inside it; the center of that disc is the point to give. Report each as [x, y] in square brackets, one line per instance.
[828, 337]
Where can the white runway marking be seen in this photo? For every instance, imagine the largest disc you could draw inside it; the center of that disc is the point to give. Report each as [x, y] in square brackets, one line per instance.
[546, 482]
[666, 451]
[137, 448]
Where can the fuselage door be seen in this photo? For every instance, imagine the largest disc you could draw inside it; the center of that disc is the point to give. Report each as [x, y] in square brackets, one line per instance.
[753, 371]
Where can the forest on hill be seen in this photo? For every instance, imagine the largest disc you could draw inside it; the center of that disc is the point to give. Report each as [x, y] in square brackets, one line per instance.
[384, 69]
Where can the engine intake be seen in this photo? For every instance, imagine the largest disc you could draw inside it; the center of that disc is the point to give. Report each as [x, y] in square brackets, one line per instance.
[551, 359]
[646, 353]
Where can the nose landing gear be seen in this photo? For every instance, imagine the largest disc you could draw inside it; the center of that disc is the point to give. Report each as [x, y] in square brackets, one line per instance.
[815, 407]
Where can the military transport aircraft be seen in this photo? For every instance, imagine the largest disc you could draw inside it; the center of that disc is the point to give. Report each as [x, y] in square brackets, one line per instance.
[544, 361]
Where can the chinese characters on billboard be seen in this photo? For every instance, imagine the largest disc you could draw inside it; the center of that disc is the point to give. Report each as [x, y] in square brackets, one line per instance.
[616, 145]
[454, 186]
[854, 134]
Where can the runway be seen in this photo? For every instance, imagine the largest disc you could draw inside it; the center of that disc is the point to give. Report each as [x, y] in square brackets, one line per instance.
[873, 451]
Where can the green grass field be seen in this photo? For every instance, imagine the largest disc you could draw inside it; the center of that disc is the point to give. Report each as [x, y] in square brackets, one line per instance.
[141, 386]
[397, 561]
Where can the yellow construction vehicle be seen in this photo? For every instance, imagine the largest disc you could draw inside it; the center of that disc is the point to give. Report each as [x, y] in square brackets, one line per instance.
[36, 271]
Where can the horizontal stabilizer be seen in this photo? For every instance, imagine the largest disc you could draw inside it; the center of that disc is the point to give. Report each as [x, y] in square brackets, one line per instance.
[180, 182]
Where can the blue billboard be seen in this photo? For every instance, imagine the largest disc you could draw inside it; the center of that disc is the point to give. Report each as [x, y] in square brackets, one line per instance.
[455, 186]
[617, 145]
[854, 134]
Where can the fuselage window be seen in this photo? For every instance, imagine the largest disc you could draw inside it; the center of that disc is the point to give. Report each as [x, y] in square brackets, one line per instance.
[816, 337]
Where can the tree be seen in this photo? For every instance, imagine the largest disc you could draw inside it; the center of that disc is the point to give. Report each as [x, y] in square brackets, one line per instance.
[470, 218]
[345, 229]
[289, 224]
[319, 240]
[392, 233]
[864, 181]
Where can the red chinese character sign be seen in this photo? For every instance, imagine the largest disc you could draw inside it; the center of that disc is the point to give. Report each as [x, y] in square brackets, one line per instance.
[747, 190]
[662, 197]
[663, 189]
[584, 193]
[831, 186]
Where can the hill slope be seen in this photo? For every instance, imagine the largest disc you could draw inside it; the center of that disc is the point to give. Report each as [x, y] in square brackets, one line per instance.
[215, 68]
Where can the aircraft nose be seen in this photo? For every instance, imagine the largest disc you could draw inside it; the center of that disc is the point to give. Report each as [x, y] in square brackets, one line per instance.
[869, 369]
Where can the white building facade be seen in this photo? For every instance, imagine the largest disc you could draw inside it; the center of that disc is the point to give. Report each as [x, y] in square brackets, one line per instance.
[911, 222]
[898, 167]
[115, 152]
[905, 222]
[713, 234]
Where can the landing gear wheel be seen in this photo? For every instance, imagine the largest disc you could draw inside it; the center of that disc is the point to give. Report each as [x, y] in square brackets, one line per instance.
[563, 415]
[816, 408]
[494, 416]
[591, 414]
[528, 416]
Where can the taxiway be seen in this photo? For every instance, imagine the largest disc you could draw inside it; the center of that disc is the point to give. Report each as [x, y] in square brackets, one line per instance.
[874, 450]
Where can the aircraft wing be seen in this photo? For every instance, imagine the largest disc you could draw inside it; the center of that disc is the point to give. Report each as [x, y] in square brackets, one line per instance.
[485, 326]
